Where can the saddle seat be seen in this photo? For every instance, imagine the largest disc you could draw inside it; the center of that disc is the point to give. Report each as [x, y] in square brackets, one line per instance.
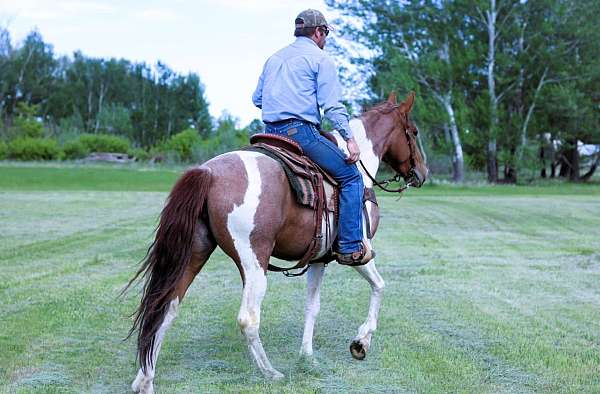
[292, 154]
[313, 188]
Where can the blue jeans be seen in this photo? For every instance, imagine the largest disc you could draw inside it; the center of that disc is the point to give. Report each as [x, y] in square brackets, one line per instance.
[331, 159]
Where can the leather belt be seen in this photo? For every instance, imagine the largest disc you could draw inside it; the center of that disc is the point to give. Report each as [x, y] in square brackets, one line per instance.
[286, 121]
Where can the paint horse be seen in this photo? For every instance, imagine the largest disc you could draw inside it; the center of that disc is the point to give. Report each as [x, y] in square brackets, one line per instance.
[242, 202]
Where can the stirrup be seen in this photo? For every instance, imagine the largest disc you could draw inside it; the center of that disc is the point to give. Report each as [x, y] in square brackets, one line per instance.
[361, 257]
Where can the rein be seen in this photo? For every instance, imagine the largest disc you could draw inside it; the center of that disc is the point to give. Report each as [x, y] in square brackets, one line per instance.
[382, 184]
[397, 177]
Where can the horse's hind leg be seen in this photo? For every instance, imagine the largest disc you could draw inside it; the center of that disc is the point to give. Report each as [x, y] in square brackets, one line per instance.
[362, 342]
[204, 245]
[248, 318]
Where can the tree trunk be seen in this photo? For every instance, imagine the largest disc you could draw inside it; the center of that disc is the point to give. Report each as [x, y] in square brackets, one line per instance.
[574, 159]
[458, 163]
[101, 95]
[542, 157]
[565, 166]
[510, 171]
[523, 142]
[569, 162]
[447, 134]
[89, 109]
[492, 164]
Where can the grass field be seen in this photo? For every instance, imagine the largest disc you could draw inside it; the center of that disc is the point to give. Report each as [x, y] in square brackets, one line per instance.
[488, 289]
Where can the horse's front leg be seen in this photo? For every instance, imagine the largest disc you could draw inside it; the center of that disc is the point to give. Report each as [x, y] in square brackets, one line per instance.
[362, 342]
[314, 279]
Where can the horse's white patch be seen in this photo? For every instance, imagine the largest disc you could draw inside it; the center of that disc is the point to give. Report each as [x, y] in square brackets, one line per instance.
[366, 330]
[367, 154]
[160, 334]
[240, 221]
[144, 382]
[240, 224]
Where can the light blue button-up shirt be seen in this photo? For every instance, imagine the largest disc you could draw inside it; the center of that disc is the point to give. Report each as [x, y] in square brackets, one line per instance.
[298, 81]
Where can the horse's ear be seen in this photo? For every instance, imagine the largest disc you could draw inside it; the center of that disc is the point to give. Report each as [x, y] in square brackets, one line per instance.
[392, 98]
[407, 105]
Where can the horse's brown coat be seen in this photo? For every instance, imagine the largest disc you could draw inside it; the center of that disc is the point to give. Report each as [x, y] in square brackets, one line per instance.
[280, 228]
[219, 206]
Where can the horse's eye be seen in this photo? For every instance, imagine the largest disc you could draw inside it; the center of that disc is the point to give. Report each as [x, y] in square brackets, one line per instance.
[415, 131]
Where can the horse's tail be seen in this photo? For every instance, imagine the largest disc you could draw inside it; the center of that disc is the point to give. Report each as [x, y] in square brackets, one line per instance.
[168, 256]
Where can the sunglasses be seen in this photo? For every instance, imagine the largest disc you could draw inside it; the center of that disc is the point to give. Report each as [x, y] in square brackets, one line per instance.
[325, 30]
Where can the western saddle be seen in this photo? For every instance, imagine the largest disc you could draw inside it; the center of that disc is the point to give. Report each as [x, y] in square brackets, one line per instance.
[313, 188]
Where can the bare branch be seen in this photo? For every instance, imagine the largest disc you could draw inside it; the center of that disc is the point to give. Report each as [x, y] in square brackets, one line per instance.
[508, 88]
[482, 17]
[507, 15]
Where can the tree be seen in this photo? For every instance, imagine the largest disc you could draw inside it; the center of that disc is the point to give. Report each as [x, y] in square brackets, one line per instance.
[27, 73]
[6, 53]
[415, 44]
[502, 72]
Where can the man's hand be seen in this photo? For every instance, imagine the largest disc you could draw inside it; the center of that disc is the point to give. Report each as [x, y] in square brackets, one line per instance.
[354, 151]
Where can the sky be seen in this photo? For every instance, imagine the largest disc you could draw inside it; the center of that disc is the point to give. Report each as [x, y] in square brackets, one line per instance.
[225, 42]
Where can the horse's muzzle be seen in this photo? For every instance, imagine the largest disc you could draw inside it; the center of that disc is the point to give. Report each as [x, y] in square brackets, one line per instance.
[415, 178]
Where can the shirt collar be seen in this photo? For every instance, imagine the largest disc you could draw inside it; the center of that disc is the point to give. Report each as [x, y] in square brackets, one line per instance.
[304, 40]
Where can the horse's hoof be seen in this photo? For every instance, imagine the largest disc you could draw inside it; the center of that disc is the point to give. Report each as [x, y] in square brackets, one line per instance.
[142, 384]
[274, 375]
[308, 364]
[357, 350]
[307, 359]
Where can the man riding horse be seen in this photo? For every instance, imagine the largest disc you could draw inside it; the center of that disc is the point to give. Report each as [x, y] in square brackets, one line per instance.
[243, 203]
[296, 82]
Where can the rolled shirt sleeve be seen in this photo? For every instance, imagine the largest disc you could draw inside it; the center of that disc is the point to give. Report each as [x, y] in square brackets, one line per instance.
[329, 97]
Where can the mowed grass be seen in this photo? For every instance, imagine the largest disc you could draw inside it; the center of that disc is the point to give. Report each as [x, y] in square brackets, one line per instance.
[488, 289]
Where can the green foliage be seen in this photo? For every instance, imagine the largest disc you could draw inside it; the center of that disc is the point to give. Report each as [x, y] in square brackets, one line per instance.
[25, 124]
[182, 144]
[105, 143]
[3, 150]
[75, 149]
[115, 119]
[73, 124]
[141, 102]
[227, 134]
[254, 127]
[546, 76]
[190, 146]
[28, 148]
[227, 137]
[140, 154]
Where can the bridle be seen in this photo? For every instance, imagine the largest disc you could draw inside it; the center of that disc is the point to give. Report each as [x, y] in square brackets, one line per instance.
[411, 175]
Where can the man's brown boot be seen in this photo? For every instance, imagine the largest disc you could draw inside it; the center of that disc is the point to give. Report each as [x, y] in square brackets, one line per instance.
[360, 257]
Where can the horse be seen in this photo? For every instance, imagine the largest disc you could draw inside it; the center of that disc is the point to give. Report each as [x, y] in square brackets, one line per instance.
[241, 201]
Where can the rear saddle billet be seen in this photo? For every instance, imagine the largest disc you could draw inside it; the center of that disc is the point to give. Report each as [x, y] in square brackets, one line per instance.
[312, 187]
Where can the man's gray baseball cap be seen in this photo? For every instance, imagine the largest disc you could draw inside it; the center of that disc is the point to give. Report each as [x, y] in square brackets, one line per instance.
[310, 18]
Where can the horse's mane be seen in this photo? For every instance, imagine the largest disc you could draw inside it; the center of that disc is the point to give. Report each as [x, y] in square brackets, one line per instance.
[383, 108]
